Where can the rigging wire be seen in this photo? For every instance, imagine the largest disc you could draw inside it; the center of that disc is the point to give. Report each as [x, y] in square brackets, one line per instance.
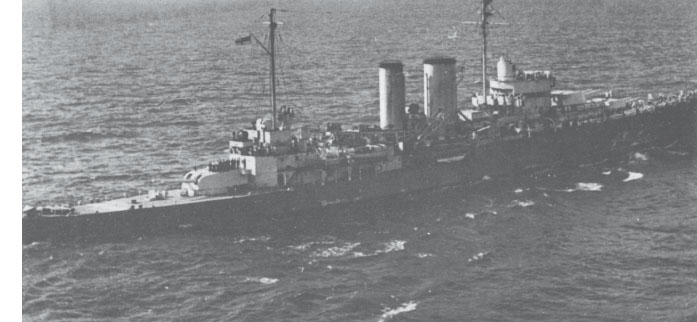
[368, 12]
[257, 82]
[283, 80]
[301, 93]
[280, 76]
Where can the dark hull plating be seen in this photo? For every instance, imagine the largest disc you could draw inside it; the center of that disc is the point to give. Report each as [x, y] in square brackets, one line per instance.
[575, 145]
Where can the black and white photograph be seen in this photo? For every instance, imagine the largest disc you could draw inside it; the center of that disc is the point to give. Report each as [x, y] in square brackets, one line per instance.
[357, 160]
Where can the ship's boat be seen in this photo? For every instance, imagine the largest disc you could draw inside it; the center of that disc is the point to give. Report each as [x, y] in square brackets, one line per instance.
[518, 121]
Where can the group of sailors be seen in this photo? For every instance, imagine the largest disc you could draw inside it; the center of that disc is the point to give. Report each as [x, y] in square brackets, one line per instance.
[264, 150]
[639, 105]
[227, 165]
[521, 75]
[286, 113]
[681, 97]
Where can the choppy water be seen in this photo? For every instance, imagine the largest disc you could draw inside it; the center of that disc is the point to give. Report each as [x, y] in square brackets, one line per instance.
[118, 93]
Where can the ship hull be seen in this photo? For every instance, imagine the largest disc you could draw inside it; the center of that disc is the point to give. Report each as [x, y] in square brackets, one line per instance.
[574, 145]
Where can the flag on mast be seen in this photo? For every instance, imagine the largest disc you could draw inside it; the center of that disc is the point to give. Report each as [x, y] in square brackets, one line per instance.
[487, 12]
[243, 40]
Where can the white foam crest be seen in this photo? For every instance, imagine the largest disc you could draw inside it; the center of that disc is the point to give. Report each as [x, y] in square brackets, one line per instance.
[36, 245]
[388, 313]
[361, 254]
[252, 239]
[522, 203]
[607, 173]
[478, 256]
[451, 159]
[301, 246]
[470, 215]
[394, 245]
[587, 186]
[518, 191]
[307, 245]
[424, 255]
[333, 202]
[336, 251]
[268, 280]
[633, 176]
[640, 156]
[262, 280]
[391, 246]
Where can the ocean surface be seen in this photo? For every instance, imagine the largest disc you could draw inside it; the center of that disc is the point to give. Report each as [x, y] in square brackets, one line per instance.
[119, 95]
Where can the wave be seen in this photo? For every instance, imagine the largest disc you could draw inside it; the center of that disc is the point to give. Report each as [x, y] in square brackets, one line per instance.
[394, 245]
[451, 159]
[252, 239]
[677, 153]
[519, 190]
[388, 313]
[522, 203]
[638, 156]
[581, 186]
[181, 101]
[424, 255]
[348, 248]
[262, 280]
[302, 246]
[328, 240]
[336, 251]
[117, 177]
[155, 124]
[91, 135]
[586, 186]
[391, 246]
[36, 246]
[593, 164]
[633, 176]
[477, 256]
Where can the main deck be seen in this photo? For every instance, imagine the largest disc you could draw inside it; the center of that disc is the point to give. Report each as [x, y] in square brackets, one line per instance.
[168, 199]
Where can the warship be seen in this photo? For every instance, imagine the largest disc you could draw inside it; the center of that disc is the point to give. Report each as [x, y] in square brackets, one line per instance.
[519, 122]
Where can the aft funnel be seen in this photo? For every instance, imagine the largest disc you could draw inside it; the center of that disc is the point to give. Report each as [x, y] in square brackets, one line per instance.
[440, 87]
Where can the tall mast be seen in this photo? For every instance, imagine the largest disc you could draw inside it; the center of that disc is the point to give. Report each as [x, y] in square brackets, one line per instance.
[272, 55]
[484, 24]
